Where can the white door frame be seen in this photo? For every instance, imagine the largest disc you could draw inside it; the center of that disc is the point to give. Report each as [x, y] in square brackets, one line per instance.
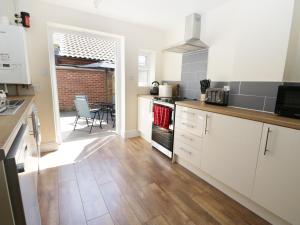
[119, 73]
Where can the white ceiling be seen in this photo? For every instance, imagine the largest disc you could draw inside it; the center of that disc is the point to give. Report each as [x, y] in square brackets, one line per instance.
[162, 14]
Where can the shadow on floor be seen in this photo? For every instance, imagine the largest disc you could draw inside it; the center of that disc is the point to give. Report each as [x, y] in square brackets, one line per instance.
[82, 130]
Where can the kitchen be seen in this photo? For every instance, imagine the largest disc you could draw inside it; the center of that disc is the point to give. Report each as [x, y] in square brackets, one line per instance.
[215, 164]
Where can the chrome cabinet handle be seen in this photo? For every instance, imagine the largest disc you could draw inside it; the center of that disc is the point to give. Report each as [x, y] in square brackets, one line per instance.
[188, 112]
[188, 125]
[206, 120]
[186, 151]
[267, 140]
[150, 107]
[191, 139]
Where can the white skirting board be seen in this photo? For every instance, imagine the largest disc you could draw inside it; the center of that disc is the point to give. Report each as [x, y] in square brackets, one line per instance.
[49, 146]
[130, 134]
[248, 203]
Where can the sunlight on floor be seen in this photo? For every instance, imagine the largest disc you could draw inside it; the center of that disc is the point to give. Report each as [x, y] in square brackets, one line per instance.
[77, 144]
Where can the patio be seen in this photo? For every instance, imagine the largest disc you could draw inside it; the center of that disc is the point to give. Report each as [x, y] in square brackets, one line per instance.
[81, 132]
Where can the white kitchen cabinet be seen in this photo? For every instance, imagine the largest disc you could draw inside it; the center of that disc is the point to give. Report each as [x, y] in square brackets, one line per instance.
[190, 127]
[277, 182]
[230, 151]
[188, 152]
[191, 120]
[145, 117]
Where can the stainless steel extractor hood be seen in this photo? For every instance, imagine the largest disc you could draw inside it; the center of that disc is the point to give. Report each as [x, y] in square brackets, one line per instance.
[192, 40]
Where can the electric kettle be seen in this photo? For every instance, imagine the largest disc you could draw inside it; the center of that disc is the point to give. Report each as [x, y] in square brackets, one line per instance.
[154, 90]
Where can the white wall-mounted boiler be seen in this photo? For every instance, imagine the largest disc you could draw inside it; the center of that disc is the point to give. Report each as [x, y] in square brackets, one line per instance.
[13, 55]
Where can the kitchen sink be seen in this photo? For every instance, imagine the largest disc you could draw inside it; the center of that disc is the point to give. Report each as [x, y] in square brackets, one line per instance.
[12, 106]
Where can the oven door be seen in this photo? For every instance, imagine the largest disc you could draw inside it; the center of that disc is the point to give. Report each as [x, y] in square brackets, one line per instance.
[163, 137]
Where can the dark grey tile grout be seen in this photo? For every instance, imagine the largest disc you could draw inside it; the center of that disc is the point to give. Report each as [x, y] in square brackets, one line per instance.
[264, 103]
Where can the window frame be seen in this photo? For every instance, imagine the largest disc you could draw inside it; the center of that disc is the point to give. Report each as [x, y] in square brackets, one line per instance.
[149, 67]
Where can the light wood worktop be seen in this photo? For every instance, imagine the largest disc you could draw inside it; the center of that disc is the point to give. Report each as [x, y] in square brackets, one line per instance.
[269, 118]
[148, 96]
[9, 125]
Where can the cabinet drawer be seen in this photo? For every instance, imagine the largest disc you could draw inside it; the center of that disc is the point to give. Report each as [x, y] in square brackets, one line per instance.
[189, 113]
[196, 128]
[188, 138]
[191, 120]
[188, 153]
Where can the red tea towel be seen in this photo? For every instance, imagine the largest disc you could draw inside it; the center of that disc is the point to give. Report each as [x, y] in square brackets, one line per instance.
[162, 116]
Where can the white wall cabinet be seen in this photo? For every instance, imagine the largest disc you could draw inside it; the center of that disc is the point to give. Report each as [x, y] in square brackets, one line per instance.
[145, 117]
[230, 151]
[277, 182]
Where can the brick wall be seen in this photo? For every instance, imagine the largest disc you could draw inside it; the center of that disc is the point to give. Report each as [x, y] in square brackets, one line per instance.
[73, 61]
[71, 82]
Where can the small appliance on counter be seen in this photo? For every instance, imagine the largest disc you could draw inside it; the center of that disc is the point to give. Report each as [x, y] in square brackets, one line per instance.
[288, 101]
[3, 105]
[154, 90]
[165, 91]
[217, 96]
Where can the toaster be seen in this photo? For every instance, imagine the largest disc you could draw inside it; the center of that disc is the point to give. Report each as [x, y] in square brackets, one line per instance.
[217, 96]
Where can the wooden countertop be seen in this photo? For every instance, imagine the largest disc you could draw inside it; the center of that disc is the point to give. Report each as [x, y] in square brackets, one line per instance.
[269, 118]
[148, 96]
[10, 125]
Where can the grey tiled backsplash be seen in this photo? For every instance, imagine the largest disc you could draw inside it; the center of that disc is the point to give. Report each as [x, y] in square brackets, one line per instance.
[194, 69]
[252, 94]
[255, 95]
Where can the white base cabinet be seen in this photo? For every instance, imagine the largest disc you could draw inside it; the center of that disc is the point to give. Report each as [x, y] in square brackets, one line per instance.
[190, 127]
[145, 118]
[277, 181]
[260, 162]
[230, 151]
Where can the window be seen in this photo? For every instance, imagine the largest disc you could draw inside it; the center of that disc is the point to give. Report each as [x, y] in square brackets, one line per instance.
[146, 68]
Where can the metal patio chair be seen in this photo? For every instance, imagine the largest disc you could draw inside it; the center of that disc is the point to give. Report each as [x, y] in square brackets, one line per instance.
[83, 110]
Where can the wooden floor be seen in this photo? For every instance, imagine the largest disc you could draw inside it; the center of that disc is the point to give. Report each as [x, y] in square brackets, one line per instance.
[127, 182]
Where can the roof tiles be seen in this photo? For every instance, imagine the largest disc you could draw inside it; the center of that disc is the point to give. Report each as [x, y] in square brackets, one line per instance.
[80, 46]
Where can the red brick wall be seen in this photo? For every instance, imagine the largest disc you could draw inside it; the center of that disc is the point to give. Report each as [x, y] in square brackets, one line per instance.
[72, 82]
[73, 61]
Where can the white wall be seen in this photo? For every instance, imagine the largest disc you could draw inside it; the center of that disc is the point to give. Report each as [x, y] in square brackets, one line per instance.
[248, 40]
[7, 9]
[292, 68]
[172, 61]
[136, 37]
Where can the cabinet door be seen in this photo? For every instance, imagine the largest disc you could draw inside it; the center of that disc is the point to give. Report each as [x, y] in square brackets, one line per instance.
[277, 182]
[145, 118]
[230, 151]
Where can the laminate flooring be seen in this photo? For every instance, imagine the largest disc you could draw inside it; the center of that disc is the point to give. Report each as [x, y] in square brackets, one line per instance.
[126, 182]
